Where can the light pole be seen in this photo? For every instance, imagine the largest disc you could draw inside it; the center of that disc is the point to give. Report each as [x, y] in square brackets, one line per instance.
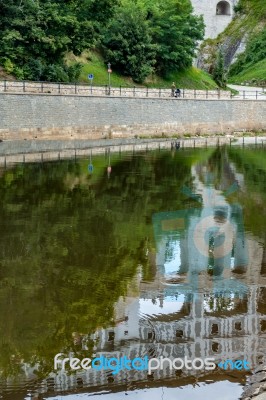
[109, 76]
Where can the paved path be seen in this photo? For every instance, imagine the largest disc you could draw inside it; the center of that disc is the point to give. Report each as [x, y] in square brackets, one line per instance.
[249, 92]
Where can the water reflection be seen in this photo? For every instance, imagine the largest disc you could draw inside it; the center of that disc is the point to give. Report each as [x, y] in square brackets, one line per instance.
[163, 257]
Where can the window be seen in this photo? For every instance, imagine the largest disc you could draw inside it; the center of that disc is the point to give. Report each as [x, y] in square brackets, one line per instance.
[223, 8]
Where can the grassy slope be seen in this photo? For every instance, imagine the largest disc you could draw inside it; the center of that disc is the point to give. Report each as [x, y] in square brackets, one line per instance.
[255, 71]
[252, 21]
[93, 64]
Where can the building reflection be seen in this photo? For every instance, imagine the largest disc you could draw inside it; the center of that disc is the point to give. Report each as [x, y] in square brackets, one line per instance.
[206, 299]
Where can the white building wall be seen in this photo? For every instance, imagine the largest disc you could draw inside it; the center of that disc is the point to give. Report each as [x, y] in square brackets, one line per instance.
[215, 24]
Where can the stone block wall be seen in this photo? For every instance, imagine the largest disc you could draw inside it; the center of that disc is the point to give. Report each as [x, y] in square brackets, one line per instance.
[46, 116]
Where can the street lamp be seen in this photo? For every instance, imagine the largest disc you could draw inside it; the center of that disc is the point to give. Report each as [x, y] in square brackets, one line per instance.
[109, 76]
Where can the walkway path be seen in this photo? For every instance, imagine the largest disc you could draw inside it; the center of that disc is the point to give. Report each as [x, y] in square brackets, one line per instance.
[249, 92]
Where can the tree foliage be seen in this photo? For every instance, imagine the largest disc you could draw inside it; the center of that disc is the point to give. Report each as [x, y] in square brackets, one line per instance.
[35, 35]
[156, 36]
[137, 37]
[128, 43]
[219, 71]
[176, 32]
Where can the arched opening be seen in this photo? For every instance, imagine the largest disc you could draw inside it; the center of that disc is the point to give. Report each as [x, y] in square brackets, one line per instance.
[223, 8]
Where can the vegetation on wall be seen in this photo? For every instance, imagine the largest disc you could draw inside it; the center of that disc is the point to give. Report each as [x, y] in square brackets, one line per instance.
[248, 26]
[251, 59]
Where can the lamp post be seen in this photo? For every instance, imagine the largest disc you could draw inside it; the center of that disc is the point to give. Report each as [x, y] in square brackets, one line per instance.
[109, 76]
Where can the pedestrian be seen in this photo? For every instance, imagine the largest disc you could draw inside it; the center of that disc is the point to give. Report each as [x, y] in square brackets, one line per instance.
[177, 93]
[173, 88]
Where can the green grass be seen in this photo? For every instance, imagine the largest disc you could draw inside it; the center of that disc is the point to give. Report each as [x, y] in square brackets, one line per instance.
[191, 78]
[255, 72]
[93, 63]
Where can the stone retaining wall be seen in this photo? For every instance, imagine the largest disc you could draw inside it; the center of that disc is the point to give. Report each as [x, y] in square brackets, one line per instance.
[44, 116]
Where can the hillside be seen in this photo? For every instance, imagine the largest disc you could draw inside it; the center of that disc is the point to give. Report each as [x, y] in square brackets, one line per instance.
[142, 39]
[93, 63]
[246, 32]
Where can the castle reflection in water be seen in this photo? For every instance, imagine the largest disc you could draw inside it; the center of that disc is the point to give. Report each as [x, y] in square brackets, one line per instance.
[206, 299]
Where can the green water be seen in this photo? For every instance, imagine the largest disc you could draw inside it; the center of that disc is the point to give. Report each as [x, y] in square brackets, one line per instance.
[103, 263]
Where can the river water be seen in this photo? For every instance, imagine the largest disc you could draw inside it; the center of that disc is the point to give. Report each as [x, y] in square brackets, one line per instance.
[157, 254]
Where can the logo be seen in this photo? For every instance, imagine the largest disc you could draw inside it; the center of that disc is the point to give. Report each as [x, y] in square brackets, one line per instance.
[116, 365]
[238, 365]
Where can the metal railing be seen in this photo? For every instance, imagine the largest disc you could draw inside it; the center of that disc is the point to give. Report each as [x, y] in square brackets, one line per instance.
[83, 89]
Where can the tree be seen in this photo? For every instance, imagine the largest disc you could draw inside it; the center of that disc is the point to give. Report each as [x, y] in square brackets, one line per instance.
[128, 44]
[219, 71]
[35, 35]
[176, 32]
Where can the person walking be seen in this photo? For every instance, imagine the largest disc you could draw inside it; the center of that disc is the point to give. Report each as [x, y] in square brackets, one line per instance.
[173, 88]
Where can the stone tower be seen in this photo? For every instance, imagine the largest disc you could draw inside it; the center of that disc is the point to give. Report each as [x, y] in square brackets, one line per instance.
[217, 14]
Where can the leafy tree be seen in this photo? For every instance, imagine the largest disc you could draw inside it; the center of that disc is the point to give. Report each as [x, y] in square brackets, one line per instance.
[176, 32]
[219, 71]
[137, 36]
[34, 36]
[147, 36]
[128, 44]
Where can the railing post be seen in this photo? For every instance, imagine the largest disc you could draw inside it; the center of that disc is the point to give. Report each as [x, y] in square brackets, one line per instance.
[147, 91]
[183, 93]
[206, 93]
[256, 95]
[243, 94]
[58, 87]
[41, 87]
[120, 90]
[24, 88]
[195, 94]
[160, 90]
[134, 91]
[5, 86]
